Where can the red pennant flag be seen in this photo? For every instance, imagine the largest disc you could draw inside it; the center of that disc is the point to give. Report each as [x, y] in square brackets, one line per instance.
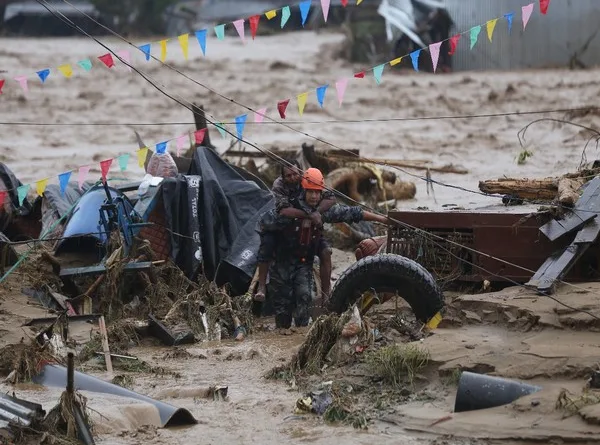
[544, 6]
[199, 136]
[360, 75]
[107, 59]
[454, 43]
[282, 106]
[254, 24]
[104, 168]
[1, 85]
[2, 197]
[345, 2]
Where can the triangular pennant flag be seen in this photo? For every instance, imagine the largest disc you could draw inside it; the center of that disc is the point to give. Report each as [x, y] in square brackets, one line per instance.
[434, 51]
[271, 14]
[1, 85]
[396, 61]
[491, 25]
[282, 106]
[126, 58]
[325, 7]
[107, 59]
[340, 87]
[181, 144]
[163, 50]
[254, 25]
[304, 10]
[3, 195]
[239, 27]
[378, 72]
[123, 160]
[22, 193]
[358, 2]
[40, 186]
[544, 6]
[161, 148]
[66, 70]
[82, 175]
[201, 37]
[259, 115]
[360, 75]
[527, 11]
[302, 98]
[220, 32]
[142, 153]
[86, 65]
[475, 35]
[222, 130]
[184, 42]
[240, 122]
[509, 19]
[285, 15]
[321, 91]
[454, 43]
[414, 56]
[344, 3]
[146, 50]
[23, 82]
[43, 74]
[63, 181]
[104, 168]
[199, 136]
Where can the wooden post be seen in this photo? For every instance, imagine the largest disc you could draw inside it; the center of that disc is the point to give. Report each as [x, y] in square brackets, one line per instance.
[105, 348]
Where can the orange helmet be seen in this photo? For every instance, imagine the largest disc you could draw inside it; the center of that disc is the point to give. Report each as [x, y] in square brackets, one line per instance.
[313, 180]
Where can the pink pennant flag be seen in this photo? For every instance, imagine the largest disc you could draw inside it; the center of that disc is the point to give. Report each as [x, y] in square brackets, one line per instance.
[180, 144]
[239, 26]
[325, 7]
[199, 136]
[124, 54]
[340, 87]
[104, 168]
[527, 11]
[23, 82]
[259, 116]
[434, 51]
[108, 60]
[82, 176]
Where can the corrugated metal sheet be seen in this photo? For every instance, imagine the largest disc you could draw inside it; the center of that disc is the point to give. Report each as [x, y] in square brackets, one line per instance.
[549, 40]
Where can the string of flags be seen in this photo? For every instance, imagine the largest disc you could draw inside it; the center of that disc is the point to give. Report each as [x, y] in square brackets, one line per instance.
[183, 40]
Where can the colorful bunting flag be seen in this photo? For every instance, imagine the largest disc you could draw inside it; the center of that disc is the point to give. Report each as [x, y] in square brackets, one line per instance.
[199, 136]
[321, 91]
[509, 19]
[163, 50]
[161, 148]
[142, 153]
[475, 35]
[240, 122]
[220, 32]
[104, 168]
[396, 61]
[344, 3]
[378, 72]
[325, 7]
[434, 51]
[184, 42]
[146, 50]
[222, 131]
[271, 14]
[126, 58]
[3, 195]
[304, 10]
[254, 25]
[123, 160]
[85, 64]
[282, 106]
[259, 115]
[82, 175]
[1, 85]
[22, 80]
[40, 186]
[22, 193]
[360, 75]
[358, 2]
[285, 15]
[527, 11]
[544, 6]
[414, 56]
[43, 74]
[63, 181]
[180, 144]
[239, 26]
[491, 25]
[302, 98]
[201, 37]
[454, 43]
[66, 70]
[107, 59]
[340, 87]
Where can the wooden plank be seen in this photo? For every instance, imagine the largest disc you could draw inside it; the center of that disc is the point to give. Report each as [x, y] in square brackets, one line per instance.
[105, 346]
[589, 233]
[559, 267]
[100, 268]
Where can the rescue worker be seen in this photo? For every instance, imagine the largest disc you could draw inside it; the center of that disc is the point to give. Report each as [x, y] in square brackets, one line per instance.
[298, 241]
[287, 191]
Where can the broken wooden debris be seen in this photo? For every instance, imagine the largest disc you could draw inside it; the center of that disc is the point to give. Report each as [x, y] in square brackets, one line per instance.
[100, 268]
[164, 334]
[73, 318]
[413, 165]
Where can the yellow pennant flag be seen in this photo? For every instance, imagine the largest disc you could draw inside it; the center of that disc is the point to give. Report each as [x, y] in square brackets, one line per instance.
[396, 61]
[66, 70]
[491, 25]
[142, 153]
[358, 2]
[40, 186]
[271, 14]
[163, 50]
[302, 102]
[184, 40]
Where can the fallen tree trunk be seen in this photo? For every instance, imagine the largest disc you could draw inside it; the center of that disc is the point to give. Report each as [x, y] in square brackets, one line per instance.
[414, 165]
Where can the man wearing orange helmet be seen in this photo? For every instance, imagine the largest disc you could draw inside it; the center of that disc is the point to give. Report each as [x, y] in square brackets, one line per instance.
[299, 239]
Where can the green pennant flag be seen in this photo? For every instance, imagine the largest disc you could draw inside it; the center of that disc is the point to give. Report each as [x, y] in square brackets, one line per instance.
[475, 35]
[123, 161]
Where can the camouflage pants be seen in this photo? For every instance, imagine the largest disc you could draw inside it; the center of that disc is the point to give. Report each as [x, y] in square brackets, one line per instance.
[291, 287]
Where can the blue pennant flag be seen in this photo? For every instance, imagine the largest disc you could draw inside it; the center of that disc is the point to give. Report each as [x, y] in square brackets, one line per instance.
[509, 19]
[146, 50]
[415, 59]
[63, 180]
[43, 74]
[161, 148]
[285, 15]
[304, 9]
[201, 37]
[240, 122]
[378, 72]
[321, 94]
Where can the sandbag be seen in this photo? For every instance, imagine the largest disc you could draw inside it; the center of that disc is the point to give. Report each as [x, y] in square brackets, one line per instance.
[162, 165]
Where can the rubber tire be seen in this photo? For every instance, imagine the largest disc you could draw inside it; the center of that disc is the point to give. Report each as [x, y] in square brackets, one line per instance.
[389, 273]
